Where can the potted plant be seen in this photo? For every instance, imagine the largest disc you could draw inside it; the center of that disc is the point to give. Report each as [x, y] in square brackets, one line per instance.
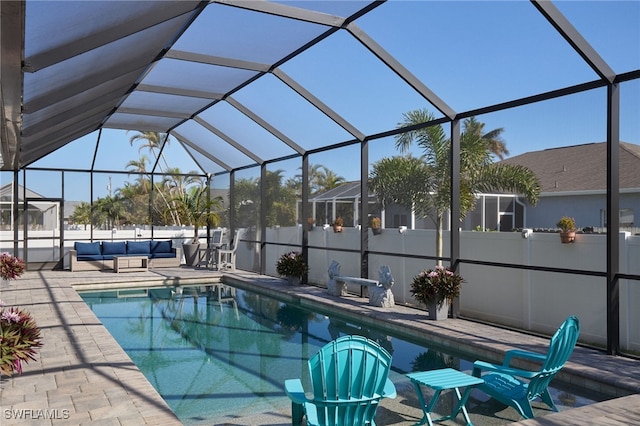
[195, 207]
[337, 224]
[293, 266]
[375, 223]
[19, 339]
[11, 267]
[436, 288]
[310, 223]
[567, 227]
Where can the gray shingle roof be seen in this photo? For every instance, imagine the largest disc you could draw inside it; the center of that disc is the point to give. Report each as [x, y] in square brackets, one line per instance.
[580, 167]
[348, 190]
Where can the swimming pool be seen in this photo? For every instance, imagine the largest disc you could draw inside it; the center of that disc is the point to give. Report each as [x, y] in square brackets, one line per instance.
[216, 352]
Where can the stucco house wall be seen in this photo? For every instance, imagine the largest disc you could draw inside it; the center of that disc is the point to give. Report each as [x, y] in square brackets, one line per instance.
[574, 181]
[587, 210]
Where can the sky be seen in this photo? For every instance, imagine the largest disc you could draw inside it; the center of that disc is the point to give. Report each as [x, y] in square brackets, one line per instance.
[471, 54]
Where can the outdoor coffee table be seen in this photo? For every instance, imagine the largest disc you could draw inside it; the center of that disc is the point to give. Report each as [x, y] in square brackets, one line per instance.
[130, 263]
[440, 380]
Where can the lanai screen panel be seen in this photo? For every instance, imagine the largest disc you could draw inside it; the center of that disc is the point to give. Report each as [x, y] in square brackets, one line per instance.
[359, 87]
[244, 35]
[611, 27]
[291, 114]
[203, 140]
[302, 67]
[90, 49]
[151, 103]
[512, 52]
[243, 130]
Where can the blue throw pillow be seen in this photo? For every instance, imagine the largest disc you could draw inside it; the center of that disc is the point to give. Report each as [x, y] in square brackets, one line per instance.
[138, 247]
[161, 247]
[118, 247]
[87, 248]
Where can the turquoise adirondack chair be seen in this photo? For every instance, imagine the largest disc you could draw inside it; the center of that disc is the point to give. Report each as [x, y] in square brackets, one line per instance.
[517, 387]
[349, 377]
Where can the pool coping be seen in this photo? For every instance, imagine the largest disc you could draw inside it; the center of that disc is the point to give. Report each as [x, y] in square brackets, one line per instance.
[587, 368]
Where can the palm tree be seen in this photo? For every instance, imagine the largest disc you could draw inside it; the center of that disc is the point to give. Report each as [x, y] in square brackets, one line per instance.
[135, 201]
[109, 210]
[494, 140]
[153, 143]
[176, 183]
[327, 180]
[424, 184]
[321, 179]
[280, 200]
[82, 214]
[247, 192]
[140, 168]
[195, 207]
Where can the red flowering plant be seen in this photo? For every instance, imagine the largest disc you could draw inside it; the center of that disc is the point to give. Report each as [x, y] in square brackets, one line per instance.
[292, 264]
[19, 339]
[436, 285]
[11, 267]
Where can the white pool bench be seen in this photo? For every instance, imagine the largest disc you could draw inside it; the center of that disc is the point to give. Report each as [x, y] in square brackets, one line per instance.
[379, 290]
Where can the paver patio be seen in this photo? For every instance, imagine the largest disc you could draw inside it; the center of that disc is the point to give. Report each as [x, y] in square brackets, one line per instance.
[82, 376]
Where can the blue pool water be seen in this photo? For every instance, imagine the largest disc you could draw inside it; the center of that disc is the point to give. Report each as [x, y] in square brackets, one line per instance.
[212, 351]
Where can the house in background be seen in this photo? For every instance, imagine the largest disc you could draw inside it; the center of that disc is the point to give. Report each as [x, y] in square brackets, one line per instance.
[42, 213]
[574, 183]
[344, 201]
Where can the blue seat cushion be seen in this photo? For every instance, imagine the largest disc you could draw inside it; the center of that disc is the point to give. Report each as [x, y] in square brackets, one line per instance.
[90, 257]
[161, 247]
[90, 249]
[114, 248]
[138, 247]
[163, 255]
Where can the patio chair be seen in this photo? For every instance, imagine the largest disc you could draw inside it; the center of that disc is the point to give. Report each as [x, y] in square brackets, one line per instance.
[207, 256]
[517, 387]
[227, 257]
[349, 377]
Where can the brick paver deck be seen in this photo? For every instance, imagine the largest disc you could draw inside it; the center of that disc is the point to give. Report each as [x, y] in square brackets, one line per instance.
[82, 376]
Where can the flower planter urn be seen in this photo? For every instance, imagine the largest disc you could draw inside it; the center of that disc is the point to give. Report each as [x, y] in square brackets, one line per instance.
[191, 253]
[438, 313]
[567, 237]
[293, 280]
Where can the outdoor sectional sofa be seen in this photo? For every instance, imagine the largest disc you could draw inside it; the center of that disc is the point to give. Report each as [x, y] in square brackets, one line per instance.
[98, 255]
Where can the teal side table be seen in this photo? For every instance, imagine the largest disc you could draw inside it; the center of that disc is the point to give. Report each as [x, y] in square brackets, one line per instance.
[441, 380]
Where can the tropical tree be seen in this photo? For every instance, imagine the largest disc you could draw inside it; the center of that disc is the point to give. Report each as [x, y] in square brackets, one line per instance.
[321, 179]
[493, 138]
[139, 167]
[196, 207]
[173, 183]
[82, 214]
[247, 206]
[135, 201]
[280, 199]
[153, 142]
[109, 211]
[424, 184]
